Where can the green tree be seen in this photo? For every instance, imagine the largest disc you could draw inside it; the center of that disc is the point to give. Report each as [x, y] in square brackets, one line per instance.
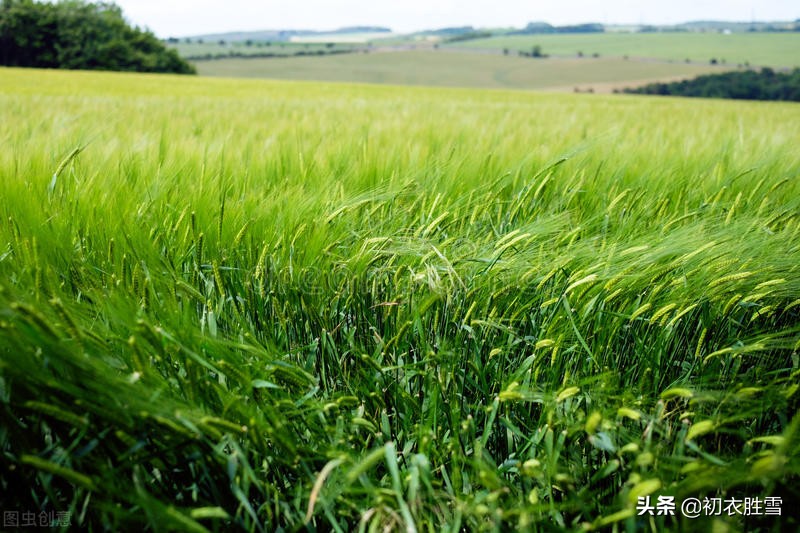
[74, 34]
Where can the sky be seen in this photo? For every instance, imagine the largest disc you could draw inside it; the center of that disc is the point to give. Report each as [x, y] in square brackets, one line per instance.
[178, 18]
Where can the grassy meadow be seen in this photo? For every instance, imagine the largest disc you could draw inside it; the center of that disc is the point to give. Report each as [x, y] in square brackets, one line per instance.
[755, 49]
[458, 69]
[252, 305]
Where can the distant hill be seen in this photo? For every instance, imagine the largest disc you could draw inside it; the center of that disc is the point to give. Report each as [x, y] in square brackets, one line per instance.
[532, 28]
[544, 27]
[458, 33]
[361, 29]
[454, 30]
[283, 35]
[716, 25]
[241, 36]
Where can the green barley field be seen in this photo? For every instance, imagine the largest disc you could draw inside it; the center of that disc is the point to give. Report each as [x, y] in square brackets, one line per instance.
[247, 305]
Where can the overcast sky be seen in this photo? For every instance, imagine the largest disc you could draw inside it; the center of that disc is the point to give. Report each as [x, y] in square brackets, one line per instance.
[191, 17]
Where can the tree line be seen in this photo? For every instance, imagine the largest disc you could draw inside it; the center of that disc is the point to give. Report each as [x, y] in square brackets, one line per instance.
[766, 84]
[75, 34]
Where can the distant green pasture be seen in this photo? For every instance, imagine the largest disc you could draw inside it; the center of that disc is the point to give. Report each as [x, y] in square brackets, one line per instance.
[767, 49]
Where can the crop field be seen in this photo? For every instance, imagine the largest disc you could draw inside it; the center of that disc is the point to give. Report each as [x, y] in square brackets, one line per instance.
[755, 49]
[250, 305]
[458, 69]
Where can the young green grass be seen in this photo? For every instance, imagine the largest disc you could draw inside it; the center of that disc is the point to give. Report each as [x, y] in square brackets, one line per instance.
[258, 305]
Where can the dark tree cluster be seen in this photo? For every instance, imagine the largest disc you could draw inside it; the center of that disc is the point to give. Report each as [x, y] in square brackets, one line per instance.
[765, 84]
[75, 34]
[536, 51]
